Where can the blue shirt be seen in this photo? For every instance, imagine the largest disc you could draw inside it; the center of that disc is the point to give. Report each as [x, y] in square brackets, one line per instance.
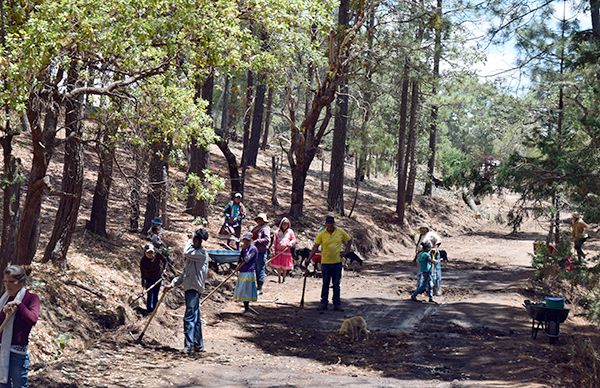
[424, 260]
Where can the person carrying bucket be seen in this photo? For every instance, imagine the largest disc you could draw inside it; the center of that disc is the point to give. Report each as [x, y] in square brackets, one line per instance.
[192, 280]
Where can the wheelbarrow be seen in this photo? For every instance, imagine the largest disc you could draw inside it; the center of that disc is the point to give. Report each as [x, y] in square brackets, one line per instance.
[546, 319]
[220, 258]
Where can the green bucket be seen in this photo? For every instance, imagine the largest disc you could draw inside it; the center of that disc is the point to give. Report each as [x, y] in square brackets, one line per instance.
[555, 302]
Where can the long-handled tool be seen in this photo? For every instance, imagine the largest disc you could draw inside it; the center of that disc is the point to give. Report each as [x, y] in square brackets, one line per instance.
[303, 290]
[221, 284]
[146, 291]
[139, 339]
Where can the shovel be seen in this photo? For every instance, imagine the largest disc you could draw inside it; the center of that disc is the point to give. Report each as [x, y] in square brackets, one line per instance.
[145, 291]
[139, 339]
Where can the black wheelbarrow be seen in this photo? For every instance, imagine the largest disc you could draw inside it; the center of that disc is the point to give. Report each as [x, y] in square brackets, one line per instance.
[220, 258]
[546, 319]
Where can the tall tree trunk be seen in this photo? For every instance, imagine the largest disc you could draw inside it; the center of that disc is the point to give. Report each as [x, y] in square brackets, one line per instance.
[225, 111]
[43, 142]
[401, 156]
[247, 117]
[434, 108]
[595, 13]
[199, 156]
[335, 190]
[12, 176]
[72, 182]
[106, 153]
[156, 189]
[268, 116]
[411, 153]
[140, 158]
[257, 123]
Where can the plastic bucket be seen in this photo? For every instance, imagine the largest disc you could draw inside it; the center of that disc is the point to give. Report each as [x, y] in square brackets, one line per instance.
[555, 302]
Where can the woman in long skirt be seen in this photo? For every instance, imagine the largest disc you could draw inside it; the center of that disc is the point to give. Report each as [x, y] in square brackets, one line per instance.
[245, 288]
[282, 250]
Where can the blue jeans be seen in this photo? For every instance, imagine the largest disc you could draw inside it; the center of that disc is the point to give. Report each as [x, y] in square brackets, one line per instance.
[192, 322]
[152, 297]
[17, 371]
[437, 278]
[260, 269]
[424, 285]
[331, 273]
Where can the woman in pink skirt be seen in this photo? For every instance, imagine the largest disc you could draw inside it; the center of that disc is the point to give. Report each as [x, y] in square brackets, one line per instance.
[282, 249]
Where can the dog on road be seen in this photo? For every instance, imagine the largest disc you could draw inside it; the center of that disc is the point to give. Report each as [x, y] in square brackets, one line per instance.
[354, 326]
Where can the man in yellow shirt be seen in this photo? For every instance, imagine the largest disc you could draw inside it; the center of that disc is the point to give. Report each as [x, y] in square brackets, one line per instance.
[331, 239]
[579, 235]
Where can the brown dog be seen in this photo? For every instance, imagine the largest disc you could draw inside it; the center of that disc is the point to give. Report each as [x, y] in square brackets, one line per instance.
[354, 326]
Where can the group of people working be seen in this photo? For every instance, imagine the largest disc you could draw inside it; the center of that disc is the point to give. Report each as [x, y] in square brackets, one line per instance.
[255, 247]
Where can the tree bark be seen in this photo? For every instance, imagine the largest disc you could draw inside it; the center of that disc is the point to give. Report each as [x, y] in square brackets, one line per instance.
[268, 117]
[247, 117]
[43, 138]
[401, 156]
[595, 13]
[158, 163]
[434, 109]
[274, 171]
[11, 199]
[134, 193]
[72, 182]
[199, 155]
[335, 189]
[257, 123]
[106, 154]
[411, 153]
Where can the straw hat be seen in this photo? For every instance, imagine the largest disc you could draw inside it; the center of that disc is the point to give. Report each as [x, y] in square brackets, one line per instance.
[262, 216]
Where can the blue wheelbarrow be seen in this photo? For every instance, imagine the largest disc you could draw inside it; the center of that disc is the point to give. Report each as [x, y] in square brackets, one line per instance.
[223, 258]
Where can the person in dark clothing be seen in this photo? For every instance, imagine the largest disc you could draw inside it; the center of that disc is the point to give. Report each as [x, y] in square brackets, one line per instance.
[261, 235]
[152, 265]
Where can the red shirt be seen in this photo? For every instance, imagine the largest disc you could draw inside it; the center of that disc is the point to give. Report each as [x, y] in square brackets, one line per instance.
[26, 316]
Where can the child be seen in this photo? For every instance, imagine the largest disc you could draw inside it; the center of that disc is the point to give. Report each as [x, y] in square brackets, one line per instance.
[425, 261]
[152, 265]
[245, 288]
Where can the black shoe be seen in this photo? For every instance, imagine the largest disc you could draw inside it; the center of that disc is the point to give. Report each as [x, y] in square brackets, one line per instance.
[322, 307]
[199, 349]
[337, 308]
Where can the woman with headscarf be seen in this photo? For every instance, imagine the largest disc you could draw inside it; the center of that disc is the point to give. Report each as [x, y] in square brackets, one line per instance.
[20, 308]
[245, 287]
[283, 242]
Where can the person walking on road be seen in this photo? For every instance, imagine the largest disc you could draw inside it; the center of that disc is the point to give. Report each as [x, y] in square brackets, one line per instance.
[331, 240]
[193, 279]
[283, 242]
[425, 264]
[261, 235]
[245, 288]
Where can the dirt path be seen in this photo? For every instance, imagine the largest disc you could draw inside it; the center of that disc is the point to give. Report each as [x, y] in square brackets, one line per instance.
[477, 334]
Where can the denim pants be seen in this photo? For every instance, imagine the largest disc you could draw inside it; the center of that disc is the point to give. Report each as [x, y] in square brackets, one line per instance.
[437, 278]
[579, 248]
[192, 322]
[17, 371]
[425, 285]
[331, 273]
[260, 269]
[152, 297]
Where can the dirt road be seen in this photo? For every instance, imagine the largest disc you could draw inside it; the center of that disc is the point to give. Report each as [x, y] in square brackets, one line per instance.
[476, 335]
